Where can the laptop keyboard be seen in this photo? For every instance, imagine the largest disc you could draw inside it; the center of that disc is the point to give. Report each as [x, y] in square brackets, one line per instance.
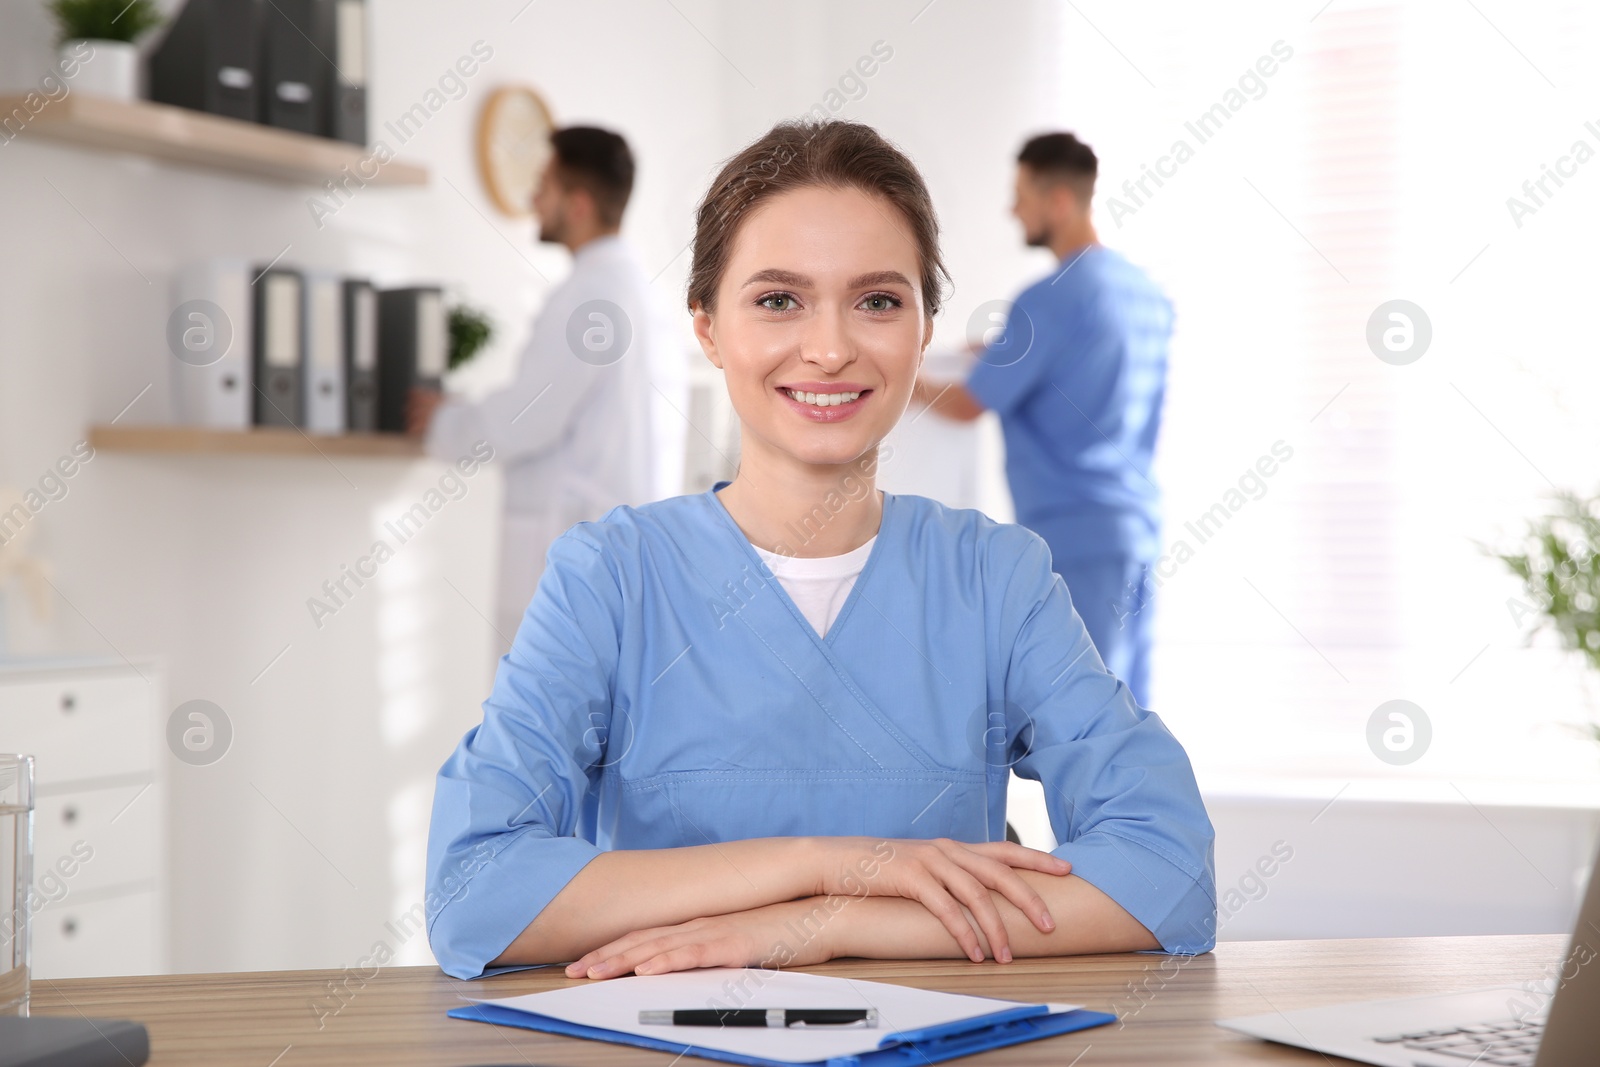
[1503, 1044]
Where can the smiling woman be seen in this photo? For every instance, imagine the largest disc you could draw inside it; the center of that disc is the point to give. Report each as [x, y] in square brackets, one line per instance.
[665, 783]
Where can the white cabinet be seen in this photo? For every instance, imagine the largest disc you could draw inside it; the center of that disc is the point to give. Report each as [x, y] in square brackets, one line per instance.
[97, 938]
[94, 729]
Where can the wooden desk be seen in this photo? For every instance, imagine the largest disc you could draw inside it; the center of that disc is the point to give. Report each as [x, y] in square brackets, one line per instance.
[1167, 1004]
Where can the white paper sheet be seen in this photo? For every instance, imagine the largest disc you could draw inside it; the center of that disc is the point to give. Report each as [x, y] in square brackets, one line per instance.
[615, 1004]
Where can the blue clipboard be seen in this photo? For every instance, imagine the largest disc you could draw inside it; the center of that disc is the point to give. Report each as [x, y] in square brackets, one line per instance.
[1027, 1022]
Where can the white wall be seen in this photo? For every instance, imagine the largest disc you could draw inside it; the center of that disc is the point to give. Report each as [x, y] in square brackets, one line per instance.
[1357, 863]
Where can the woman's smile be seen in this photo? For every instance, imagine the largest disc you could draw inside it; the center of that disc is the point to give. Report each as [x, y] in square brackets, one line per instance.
[825, 401]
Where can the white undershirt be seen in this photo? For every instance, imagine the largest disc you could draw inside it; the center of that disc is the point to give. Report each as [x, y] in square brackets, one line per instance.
[820, 585]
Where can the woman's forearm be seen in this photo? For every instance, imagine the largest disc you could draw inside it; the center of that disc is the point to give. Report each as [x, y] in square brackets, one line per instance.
[1087, 921]
[625, 890]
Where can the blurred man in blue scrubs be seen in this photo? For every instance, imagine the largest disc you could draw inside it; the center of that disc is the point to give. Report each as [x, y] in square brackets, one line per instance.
[1077, 377]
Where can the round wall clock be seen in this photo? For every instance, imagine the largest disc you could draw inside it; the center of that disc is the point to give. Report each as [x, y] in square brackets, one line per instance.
[513, 147]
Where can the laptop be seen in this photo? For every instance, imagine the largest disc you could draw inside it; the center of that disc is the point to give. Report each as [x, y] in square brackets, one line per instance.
[1554, 1022]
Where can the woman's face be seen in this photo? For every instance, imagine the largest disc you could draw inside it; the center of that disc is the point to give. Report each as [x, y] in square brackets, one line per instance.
[820, 326]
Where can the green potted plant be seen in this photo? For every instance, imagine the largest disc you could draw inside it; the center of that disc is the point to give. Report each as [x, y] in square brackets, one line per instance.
[470, 331]
[98, 36]
[1560, 574]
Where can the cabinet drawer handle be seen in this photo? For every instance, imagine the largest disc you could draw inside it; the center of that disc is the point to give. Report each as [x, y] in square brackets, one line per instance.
[69, 814]
[68, 702]
[69, 927]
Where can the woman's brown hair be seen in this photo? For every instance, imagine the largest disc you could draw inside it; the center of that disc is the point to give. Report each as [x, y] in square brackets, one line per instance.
[800, 153]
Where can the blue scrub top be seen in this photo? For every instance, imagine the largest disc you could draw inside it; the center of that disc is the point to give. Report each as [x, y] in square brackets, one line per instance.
[1078, 377]
[664, 691]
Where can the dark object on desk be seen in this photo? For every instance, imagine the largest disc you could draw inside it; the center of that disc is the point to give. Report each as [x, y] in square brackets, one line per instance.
[294, 73]
[210, 59]
[279, 349]
[361, 355]
[412, 345]
[46, 1041]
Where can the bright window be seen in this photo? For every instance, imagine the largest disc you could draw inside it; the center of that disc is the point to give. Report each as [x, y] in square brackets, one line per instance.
[1373, 163]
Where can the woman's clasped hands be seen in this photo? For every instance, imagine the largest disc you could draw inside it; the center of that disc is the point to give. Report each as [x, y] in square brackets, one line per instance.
[955, 881]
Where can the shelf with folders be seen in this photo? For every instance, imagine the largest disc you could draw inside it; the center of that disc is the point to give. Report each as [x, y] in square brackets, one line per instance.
[214, 142]
[279, 360]
[276, 91]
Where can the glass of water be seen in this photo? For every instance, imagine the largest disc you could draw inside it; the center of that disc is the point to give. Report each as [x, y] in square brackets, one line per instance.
[16, 879]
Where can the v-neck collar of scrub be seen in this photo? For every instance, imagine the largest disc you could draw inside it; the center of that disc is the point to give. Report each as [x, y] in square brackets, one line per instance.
[845, 610]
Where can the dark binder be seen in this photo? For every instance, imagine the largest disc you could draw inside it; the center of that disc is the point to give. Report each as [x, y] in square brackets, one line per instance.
[345, 115]
[279, 349]
[294, 70]
[361, 355]
[210, 59]
[412, 344]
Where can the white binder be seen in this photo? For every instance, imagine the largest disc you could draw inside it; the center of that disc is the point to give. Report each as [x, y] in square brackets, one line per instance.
[323, 376]
[208, 388]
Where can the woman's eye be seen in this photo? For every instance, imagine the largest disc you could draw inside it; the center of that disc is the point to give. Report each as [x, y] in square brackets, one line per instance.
[881, 302]
[767, 301]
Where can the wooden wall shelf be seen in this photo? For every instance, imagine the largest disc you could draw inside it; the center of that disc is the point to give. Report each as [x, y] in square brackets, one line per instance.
[259, 441]
[179, 135]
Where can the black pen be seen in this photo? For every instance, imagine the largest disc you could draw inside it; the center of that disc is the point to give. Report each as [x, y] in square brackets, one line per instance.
[834, 1018]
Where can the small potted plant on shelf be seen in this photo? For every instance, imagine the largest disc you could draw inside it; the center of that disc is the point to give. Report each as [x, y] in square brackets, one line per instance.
[98, 35]
[470, 330]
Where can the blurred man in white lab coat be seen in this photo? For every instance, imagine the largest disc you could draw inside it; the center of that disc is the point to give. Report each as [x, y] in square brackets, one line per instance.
[592, 418]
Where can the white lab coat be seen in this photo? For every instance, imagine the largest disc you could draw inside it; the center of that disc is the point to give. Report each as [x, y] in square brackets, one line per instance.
[575, 437]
